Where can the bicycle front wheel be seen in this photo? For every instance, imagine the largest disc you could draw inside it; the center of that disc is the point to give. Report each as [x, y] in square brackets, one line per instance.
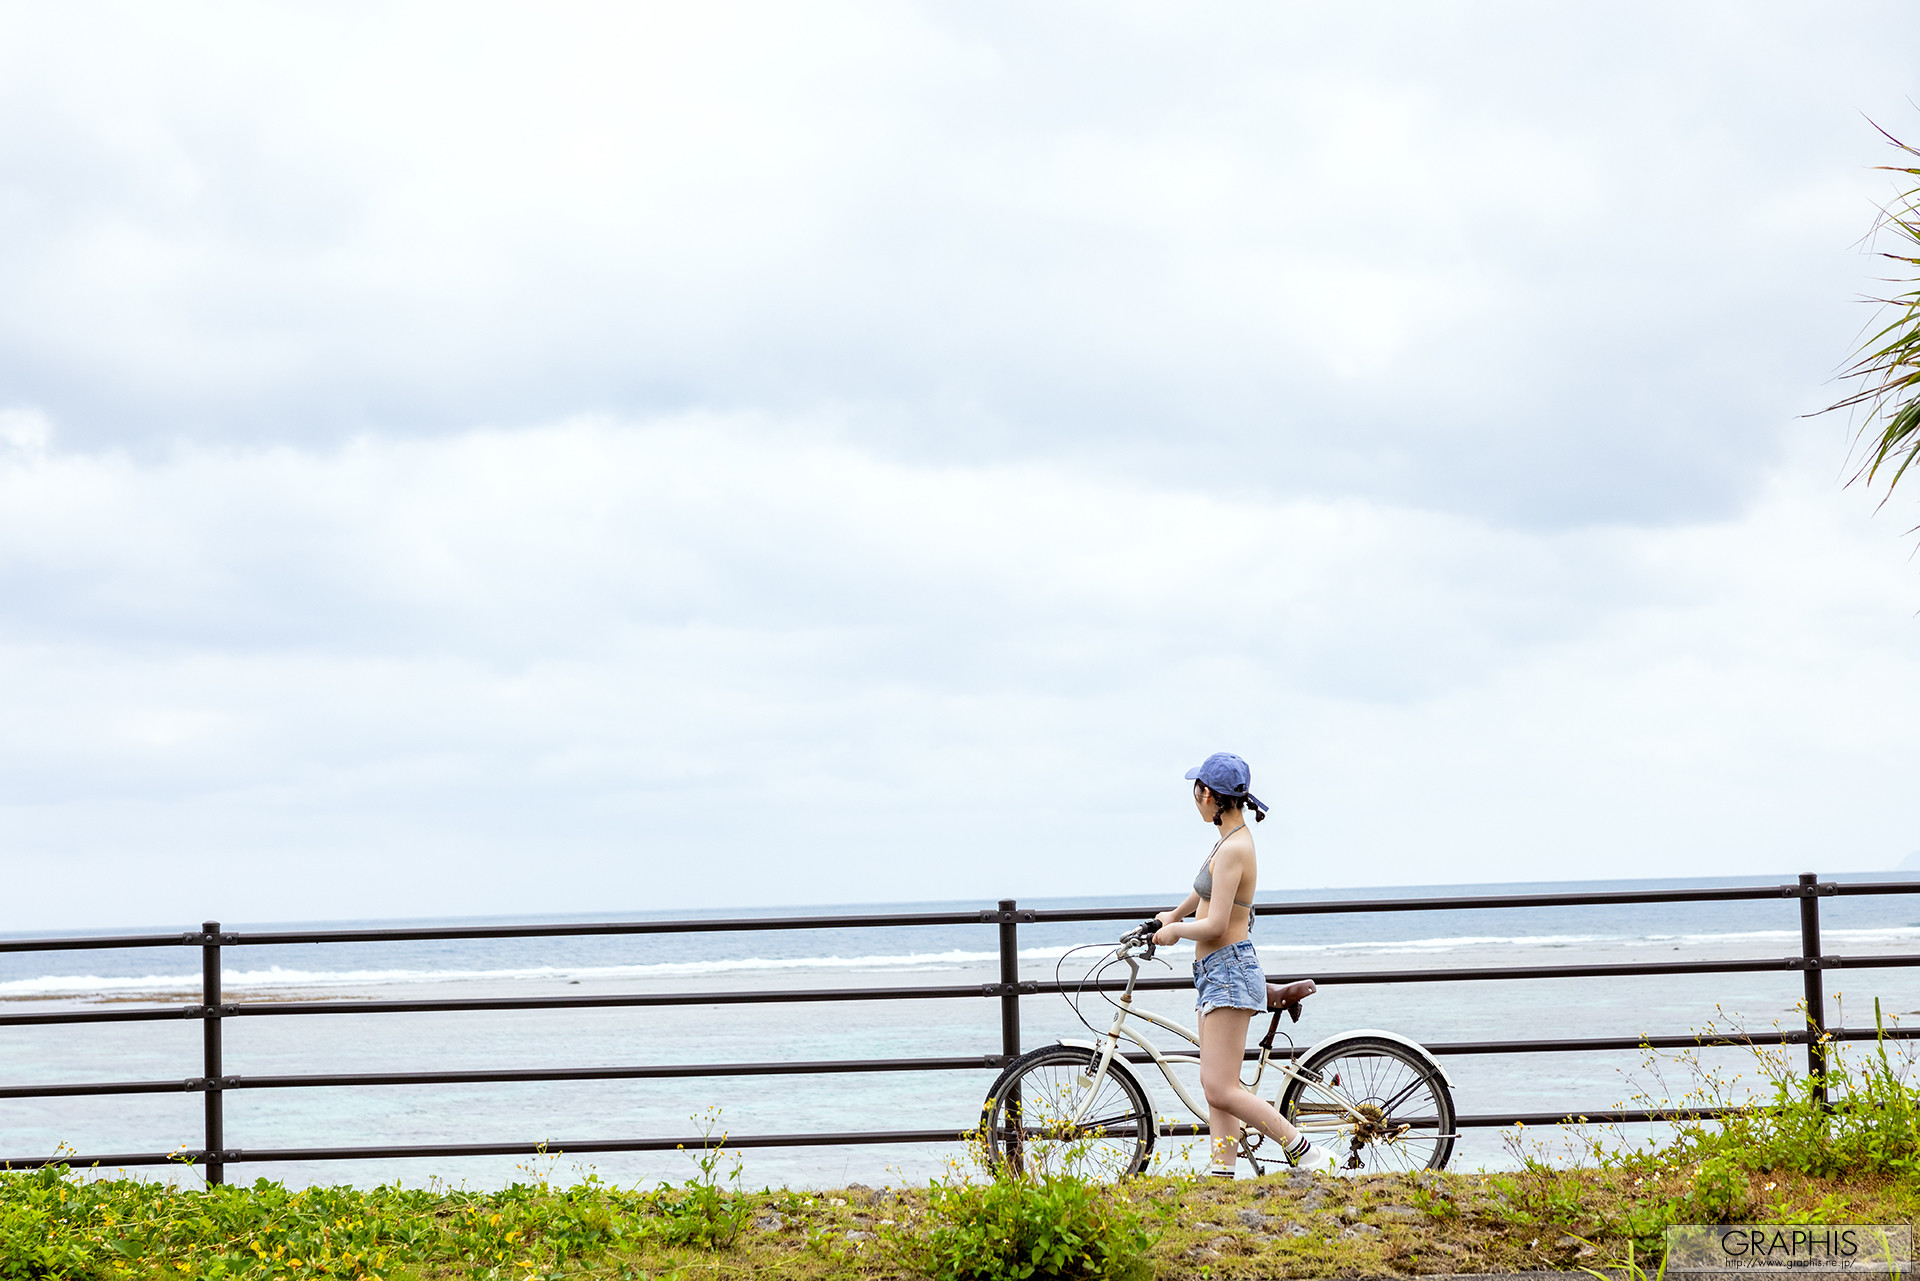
[1377, 1103]
[1048, 1114]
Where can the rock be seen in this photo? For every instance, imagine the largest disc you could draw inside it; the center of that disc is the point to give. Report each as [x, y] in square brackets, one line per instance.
[1399, 1211]
[858, 1235]
[1252, 1219]
[1298, 1230]
[1361, 1230]
[1288, 1182]
[769, 1223]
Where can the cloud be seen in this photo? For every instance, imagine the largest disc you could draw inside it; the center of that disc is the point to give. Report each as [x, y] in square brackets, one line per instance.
[1498, 260]
[490, 670]
[497, 459]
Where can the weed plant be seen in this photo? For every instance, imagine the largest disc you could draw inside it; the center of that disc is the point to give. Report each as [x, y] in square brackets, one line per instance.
[1868, 1122]
[1762, 1158]
[699, 1212]
[1861, 1116]
[53, 1225]
[1048, 1220]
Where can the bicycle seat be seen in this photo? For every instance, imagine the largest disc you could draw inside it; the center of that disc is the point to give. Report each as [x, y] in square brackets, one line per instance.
[1287, 996]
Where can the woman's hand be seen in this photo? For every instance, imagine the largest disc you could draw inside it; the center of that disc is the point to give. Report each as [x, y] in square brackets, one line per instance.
[1167, 936]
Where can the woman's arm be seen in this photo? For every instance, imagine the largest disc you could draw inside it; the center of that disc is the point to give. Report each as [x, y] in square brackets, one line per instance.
[1211, 928]
[1181, 913]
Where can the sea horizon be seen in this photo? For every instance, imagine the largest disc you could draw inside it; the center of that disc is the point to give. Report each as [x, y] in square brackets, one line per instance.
[1330, 893]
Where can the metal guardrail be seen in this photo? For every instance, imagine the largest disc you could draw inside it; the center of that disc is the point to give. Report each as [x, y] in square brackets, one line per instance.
[213, 1156]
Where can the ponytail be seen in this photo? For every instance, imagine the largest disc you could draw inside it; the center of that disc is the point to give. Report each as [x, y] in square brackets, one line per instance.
[1223, 802]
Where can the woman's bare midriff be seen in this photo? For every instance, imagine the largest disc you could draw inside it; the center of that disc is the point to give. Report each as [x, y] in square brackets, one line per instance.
[1236, 933]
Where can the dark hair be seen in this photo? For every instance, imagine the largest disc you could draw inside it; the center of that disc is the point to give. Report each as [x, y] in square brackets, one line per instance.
[1223, 801]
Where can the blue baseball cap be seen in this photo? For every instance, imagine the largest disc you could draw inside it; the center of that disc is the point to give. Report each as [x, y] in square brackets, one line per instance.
[1228, 776]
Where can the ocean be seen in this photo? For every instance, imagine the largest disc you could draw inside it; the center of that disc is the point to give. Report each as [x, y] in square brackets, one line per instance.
[921, 955]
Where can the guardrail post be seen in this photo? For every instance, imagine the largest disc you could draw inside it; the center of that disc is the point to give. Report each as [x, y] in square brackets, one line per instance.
[215, 1170]
[1009, 982]
[1815, 986]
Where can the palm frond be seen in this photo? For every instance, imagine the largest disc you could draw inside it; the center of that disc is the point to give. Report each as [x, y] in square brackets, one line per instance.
[1887, 362]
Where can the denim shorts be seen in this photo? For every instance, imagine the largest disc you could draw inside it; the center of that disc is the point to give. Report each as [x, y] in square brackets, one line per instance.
[1230, 978]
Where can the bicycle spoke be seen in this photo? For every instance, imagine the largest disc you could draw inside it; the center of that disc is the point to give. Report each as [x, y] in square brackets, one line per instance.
[1057, 1115]
[1358, 1091]
[1406, 1092]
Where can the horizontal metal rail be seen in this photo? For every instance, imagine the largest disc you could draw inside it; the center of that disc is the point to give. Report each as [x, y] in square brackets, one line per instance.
[508, 1076]
[868, 920]
[829, 1067]
[1459, 903]
[615, 1000]
[556, 1148]
[95, 942]
[777, 996]
[1623, 969]
[213, 1012]
[145, 1014]
[448, 933]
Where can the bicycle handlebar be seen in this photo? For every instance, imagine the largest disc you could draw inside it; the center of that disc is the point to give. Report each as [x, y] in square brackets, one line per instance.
[1143, 933]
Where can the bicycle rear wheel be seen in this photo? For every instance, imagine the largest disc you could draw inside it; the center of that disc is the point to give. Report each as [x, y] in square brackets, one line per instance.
[1028, 1117]
[1380, 1105]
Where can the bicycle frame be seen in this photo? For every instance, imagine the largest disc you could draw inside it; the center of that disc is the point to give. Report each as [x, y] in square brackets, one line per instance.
[1109, 1047]
[1343, 1114]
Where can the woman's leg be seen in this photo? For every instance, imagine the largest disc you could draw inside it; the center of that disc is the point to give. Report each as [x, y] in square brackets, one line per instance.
[1223, 1043]
[1223, 1127]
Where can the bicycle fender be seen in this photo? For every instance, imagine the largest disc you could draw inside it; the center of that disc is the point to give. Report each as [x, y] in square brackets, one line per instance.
[1095, 1046]
[1407, 1041]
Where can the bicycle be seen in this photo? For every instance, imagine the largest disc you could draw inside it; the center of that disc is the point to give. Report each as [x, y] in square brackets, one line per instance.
[1377, 1096]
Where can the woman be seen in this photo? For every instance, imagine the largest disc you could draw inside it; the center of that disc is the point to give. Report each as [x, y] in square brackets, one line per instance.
[1230, 986]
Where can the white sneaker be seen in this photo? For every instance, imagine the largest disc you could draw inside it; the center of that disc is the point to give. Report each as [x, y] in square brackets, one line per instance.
[1319, 1160]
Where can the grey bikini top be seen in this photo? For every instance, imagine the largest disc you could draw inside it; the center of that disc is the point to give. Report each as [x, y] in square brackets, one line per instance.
[1203, 883]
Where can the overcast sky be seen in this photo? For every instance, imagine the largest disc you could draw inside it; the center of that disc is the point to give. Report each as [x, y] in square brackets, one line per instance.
[465, 459]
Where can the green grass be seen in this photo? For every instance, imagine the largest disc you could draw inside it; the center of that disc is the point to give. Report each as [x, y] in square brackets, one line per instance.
[55, 1225]
[1791, 1158]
